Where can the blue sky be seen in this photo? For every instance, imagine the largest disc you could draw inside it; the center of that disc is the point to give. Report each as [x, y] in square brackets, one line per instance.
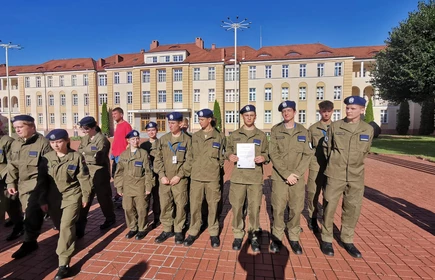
[93, 28]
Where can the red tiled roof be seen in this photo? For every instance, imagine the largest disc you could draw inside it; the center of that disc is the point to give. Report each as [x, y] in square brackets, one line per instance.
[122, 60]
[61, 65]
[14, 70]
[363, 51]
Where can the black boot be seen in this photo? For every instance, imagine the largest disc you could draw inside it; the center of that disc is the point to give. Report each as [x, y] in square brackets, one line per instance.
[62, 272]
[25, 249]
[352, 250]
[296, 247]
[327, 248]
[17, 231]
[312, 225]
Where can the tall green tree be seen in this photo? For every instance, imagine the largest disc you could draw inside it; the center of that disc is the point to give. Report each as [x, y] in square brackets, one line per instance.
[369, 115]
[217, 115]
[403, 119]
[427, 118]
[105, 125]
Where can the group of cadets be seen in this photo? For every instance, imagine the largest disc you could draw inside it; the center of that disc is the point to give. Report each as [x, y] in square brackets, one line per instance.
[179, 170]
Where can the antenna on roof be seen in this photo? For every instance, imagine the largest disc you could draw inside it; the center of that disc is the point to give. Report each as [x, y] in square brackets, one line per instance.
[261, 39]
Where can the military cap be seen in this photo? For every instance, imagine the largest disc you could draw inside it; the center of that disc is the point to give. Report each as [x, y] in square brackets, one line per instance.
[87, 121]
[247, 108]
[355, 100]
[287, 104]
[151, 125]
[57, 134]
[175, 116]
[205, 113]
[24, 118]
[133, 133]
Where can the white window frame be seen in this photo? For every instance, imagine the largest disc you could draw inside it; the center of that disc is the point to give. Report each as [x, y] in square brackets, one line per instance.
[39, 100]
[211, 73]
[302, 70]
[52, 118]
[178, 75]
[252, 72]
[75, 99]
[27, 82]
[61, 81]
[102, 79]
[51, 100]
[102, 98]
[129, 77]
[75, 118]
[337, 92]
[252, 94]
[146, 76]
[129, 97]
[40, 118]
[284, 93]
[178, 96]
[196, 74]
[85, 79]
[63, 100]
[116, 79]
[320, 93]
[211, 95]
[302, 93]
[268, 71]
[161, 96]
[302, 116]
[38, 82]
[63, 118]
[338, 69]
[146, 97]
[268, 116]
[336, 115]
[161, 75]
[268, 94]
[117, 98]
[285, 71]
[86, 99]
[73, 80]
[384, 116]
[50, 81]
[320, 69]
[196, 95]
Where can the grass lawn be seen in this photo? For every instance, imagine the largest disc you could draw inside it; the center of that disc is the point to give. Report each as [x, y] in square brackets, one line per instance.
[422, 146]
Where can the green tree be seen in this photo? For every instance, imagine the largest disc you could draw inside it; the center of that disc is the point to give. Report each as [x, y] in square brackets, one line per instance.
[403, 120]
[217, 115]
[427, 117]
[105, 125]
[369, 116]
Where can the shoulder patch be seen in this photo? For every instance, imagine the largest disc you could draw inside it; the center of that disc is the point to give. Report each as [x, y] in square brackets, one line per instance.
[216, 145]
[138, 163]
[364, 137]
[302, 138]
[257, 142]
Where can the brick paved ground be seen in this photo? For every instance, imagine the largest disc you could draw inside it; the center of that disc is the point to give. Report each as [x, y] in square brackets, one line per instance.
[395, 234]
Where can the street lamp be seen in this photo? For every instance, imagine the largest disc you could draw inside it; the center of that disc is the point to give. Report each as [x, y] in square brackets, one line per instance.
[228, 25]
[8, 46]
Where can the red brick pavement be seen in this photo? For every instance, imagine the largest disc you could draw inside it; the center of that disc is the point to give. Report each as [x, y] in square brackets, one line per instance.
[395, 234]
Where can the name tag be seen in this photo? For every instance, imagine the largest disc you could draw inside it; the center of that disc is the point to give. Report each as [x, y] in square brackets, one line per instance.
[257, 142]
[1, 152]
[302, 138]
[364, 137]
[94, 148]
[174, 159]
[72, 167]
[216, 145]
[33, 153]
[138, 163]
[182, 149]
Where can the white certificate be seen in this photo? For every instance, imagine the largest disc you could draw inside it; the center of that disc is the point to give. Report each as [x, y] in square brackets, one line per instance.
[246, 155]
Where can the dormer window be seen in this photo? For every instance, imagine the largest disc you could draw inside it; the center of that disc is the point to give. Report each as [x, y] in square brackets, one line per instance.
[263, 55]
[77, 66]
[165, 58]
[57, 67]
[152, 59]
[324, 52]
[174, 47]
[177, 58]
[292, 53]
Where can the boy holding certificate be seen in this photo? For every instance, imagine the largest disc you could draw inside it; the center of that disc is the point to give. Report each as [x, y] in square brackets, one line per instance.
[247, 176]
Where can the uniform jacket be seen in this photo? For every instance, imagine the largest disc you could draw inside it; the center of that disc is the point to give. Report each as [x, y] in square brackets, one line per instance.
[5, 154]
[208, 156]
[346, 150]
[317, 133]
[95, 152]
[248, 176]
[289, 151]
[133, 176]
[163, 159]
[151, 149]
[26, 154]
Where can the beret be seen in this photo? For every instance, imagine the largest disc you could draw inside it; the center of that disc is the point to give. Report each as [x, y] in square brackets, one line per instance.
[355, 100]
[133, 133]
[151, 125]
[57, 134]
[87, 121]
[175, 116]
[205, 113]
[247, 108]
[287, 104]
[25, 118]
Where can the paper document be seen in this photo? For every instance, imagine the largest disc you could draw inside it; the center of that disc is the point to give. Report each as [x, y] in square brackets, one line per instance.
[246, 155]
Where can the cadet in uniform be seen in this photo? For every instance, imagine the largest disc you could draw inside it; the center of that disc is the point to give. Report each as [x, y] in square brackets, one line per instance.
[247, 182]
[316, 178]
[21, 178]
[346, 143]
[208, 159]
[150, 146]
[95, 147]
[9, 204]
[64, 170]
[134, 181]
[173, 164]
[290, 153]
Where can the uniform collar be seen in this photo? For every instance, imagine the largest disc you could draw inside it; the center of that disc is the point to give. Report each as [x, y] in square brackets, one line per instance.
[296, 129]
[345, 125]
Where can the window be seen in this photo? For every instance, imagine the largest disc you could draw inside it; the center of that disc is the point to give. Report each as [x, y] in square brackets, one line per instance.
[268, 94]
[252, 94]
[268, 72]
[73, 80]
[102, 98]
[146, 76]
[117, 98]
[302, 117]
[196, 95]
[178, 75]
[86, 99]
[63, 118]
[252, 72]
[102, 79]
[38, 81]
[40, 118]
[85, 80]
[129, 77]
[27, 82]
[231, 117]
[302, 70]
[337, 71]
[230, 75]
[165, 58]
[320, 68]
[161, 96]
[116, 78]
[211, 73]
[146, 97]
[336, 115]
[285, 71]
[337, 92]
[230, 96]
[384, 116]
[320, 93]
[62, 100]
[75, 100]
[129, 97]
[196, 74]
[39, 100]
[51, 100]
[52, 118]
[211, 95]
[50, 81]
[61, 81]
[76, 118]
[195, 117]
[152, 59]
[177, 58]
[161, 75]
[302, 93]
[130, 118]
[318, 116]
[267, 116]
[284, 93]
[178, 96]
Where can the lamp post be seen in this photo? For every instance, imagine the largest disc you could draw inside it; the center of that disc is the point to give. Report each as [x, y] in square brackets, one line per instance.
[7, 47]
[228, 25]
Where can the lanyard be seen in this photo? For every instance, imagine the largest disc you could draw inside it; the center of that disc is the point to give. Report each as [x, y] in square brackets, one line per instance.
[324, 133]
[172, 149]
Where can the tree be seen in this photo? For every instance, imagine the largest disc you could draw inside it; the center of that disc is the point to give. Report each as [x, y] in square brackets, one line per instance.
[369, 116]
[403, 120]
[217, 115]
[405, 69]
[105, 126]
[427, 118]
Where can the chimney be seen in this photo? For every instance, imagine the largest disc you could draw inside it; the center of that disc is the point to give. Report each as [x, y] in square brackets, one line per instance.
[154, 44]
[142, 51]
[213, 46]
[223, 54]
[118, 58]
[199, 42]
[243, 54]
[101, 62]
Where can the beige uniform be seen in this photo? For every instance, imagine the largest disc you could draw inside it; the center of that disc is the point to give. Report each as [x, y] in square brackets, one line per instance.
[346, 147]
[151, 147]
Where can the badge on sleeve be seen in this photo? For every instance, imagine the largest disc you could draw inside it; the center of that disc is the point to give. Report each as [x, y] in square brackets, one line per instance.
[33, 153]
[364, 137]
[94, 148]
[216, 145]
[138, 164]
[1, 152]
[257, 142]
[72, 167]
[302, 138]
[182, 149]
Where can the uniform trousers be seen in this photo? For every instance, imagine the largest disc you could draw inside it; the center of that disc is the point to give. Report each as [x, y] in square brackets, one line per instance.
[136, 211]
[316, 183]
[170, 195]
